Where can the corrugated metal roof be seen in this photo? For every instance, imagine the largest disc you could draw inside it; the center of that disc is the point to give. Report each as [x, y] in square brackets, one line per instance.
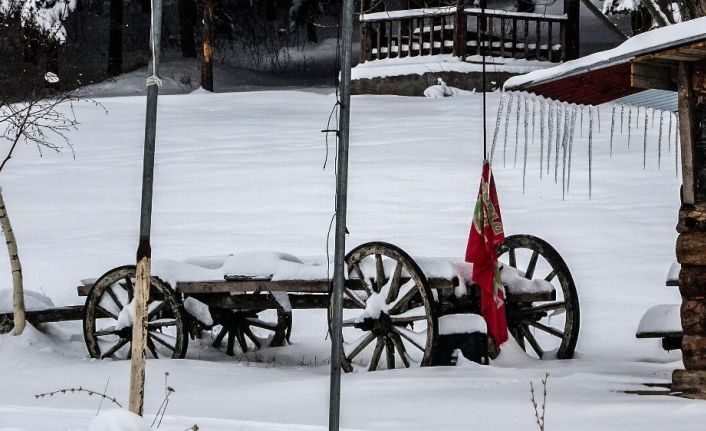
[658, 99]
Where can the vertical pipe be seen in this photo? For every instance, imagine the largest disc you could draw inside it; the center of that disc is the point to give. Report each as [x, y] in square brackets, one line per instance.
[341, 208]
[139, 327]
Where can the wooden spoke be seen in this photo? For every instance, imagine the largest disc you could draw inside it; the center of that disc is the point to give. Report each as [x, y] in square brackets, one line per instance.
[550, 277]
[115, 348]
[348, 322]
[154, 336]
[241, 341]
[351, 294]
[394, 291]
[390, 353]
[260, 324]
[361, 276]
[546, 307]
[379, 273]
[107, 331]
[513, 258]
[219, 338]
[532, 265]
[103, 310]
[359, 348]
[114, 297]
[548, 329]
[157, 324]
[532, 341]
[252, 337]
[129, 288]
[401, 332]
[400, 348]
[407, 319]
[157, 309]
[376, 355]
[151, 348]
[402, 302]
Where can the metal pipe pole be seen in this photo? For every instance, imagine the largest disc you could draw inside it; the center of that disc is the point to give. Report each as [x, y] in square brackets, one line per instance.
[144, 252]
[341, 208]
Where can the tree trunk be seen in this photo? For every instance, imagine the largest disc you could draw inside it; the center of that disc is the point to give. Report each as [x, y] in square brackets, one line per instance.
[18, 301]
[187, 15]
[207, 63]
[115, 38]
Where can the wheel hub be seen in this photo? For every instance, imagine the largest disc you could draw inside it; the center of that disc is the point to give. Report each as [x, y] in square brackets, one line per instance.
[380, 326]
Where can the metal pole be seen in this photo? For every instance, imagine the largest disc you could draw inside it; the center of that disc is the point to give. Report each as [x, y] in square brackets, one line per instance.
[144, 253]
[341, 203]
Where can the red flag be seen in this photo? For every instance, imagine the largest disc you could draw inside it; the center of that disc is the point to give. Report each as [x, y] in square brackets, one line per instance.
[486, 234]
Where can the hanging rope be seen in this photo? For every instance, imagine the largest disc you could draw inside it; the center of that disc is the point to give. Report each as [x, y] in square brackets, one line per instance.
[482, 48]
[153, 79]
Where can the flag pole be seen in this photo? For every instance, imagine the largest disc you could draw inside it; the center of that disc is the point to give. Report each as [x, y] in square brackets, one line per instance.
[341, 208]
[144, 252]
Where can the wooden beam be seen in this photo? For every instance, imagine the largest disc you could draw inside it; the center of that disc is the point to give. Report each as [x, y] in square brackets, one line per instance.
[652, 75]
[686, 131]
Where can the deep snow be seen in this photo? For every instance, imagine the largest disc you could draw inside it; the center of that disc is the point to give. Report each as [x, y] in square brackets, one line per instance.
[243, 172]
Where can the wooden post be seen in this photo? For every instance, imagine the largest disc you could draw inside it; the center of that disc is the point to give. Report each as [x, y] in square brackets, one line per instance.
[690, 250]
[460, 30]
[207, 61]
[144, 254]
[570, 30]
[365, 34]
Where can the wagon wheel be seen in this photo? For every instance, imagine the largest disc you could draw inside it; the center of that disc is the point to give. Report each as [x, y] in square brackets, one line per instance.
[253, 329]
[394, 313]
[543, 328]
[107, 327]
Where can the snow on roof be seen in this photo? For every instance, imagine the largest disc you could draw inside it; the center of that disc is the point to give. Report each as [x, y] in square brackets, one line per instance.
[655, 40]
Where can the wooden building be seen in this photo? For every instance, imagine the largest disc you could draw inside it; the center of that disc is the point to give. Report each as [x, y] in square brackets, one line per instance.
[669, 58]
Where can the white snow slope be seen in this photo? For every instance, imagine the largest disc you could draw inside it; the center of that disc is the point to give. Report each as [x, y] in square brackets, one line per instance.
[243, 172]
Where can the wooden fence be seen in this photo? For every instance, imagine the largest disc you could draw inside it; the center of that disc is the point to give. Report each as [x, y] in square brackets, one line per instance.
[432, 31]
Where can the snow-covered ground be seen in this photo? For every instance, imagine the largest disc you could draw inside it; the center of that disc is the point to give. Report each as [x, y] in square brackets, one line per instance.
[242, 172]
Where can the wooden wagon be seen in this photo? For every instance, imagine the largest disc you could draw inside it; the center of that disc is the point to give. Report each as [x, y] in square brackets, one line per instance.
[392, 308]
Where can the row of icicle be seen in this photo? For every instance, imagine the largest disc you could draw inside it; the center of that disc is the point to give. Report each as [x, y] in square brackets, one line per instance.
[557, 129]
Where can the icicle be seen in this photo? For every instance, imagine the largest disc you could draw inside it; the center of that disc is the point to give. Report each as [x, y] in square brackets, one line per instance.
[612, 130]
[653, 117]
[507, 125]
[629, 123]
[622, 116]
[572, 129]
[659, 139]
[590, 153]
[669, 135]
[542, 114]
[644, 144]
[517, 128]
[524, 161]
[598, 116]
[501, 107]
[559, 108]
[581, 120]
[676, 144]
[550, 133]
[563, 152]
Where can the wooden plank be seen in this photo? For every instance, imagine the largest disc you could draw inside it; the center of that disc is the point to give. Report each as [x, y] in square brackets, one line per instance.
[689, 381]
[690, 248]
[693, 311]
[686, 132]
[460, 30]
[651, 75]
[240, 286]
[59, 314]
[526, 38]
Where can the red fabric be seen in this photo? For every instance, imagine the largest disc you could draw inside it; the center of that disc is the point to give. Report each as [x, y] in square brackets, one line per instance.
[486, 234]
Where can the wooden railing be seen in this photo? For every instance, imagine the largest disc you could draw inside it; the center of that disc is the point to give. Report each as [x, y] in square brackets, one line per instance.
[419, 32]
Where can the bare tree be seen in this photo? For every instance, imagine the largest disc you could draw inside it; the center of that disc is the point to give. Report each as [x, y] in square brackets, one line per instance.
[42, 119]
